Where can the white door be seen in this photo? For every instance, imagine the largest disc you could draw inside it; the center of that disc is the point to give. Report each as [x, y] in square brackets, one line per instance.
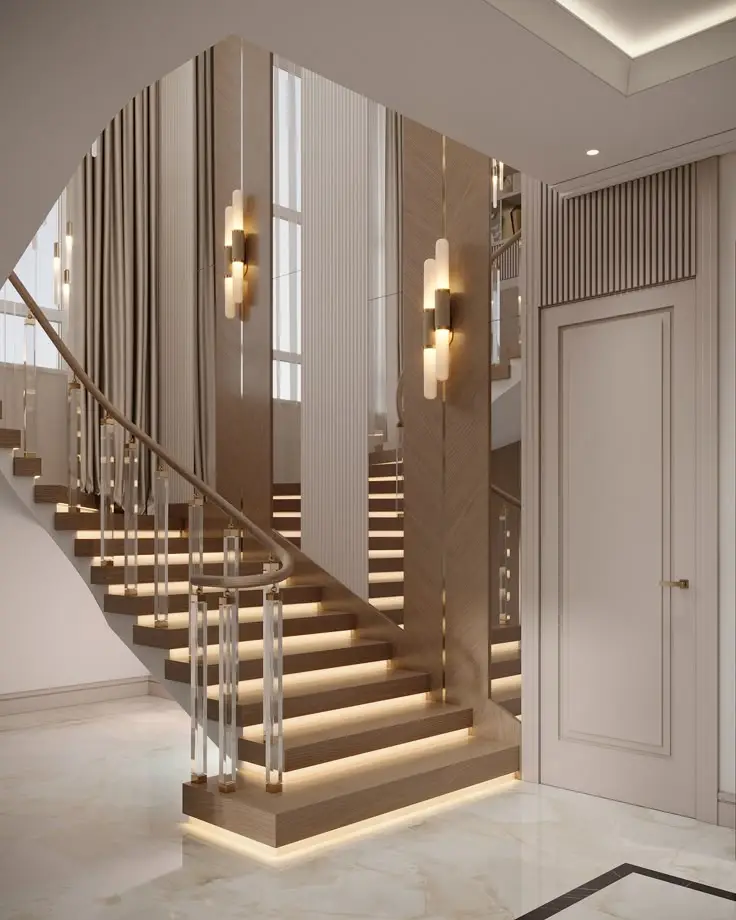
[618, 693]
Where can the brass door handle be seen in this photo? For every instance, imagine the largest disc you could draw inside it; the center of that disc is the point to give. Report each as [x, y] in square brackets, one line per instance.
[683, 583]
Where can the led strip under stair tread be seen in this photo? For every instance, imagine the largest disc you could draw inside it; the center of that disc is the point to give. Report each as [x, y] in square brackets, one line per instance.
[326, 801]
[309, 747]
[250, 628]
[355, 652]
[139, 605]
[323, 692]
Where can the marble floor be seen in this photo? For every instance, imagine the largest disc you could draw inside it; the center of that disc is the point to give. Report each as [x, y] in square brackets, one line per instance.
[90, 827]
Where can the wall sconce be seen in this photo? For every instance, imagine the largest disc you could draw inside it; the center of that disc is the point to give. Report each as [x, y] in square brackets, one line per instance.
[62, 272]
[496, 180]
[437, 319]
[235, 263]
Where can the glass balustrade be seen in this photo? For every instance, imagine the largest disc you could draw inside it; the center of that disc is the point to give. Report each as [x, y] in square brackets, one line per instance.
[229, 665]
[130, 516]
[74, 434]
[30, 421]
[161, 547]
[197, 644]
[273, 684]
[107, 489]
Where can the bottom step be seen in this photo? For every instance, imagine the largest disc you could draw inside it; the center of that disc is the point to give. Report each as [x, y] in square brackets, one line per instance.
[306, 809]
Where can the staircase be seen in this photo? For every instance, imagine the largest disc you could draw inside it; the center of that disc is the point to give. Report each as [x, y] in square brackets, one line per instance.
[362, 737]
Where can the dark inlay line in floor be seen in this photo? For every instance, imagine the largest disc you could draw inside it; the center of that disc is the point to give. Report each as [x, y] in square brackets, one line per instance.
[564, 901]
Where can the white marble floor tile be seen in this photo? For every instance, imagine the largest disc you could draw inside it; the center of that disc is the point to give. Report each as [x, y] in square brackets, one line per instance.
[90, 827]
[637, 897]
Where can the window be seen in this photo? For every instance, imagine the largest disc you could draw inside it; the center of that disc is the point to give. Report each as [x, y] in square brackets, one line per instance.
[36, 270]
[287, 233]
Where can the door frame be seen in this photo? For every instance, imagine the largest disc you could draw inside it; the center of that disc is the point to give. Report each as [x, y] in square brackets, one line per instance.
[706, 566]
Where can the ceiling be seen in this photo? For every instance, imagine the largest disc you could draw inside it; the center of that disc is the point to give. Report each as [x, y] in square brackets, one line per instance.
[640, 26]
[523, 80]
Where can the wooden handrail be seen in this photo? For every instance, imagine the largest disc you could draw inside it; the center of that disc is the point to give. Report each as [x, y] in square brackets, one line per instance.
[506, 496]
[507, 244]
[280, 553]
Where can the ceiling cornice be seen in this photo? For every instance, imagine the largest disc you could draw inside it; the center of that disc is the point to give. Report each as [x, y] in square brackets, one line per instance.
[563, 30]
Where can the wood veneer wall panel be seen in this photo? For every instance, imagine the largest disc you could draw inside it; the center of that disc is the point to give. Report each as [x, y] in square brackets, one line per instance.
[468, 432]
[243, 345]
[423, 461]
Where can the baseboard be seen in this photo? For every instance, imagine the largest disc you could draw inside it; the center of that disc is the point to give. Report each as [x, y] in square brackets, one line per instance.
[727, 809]
[78, 695]
[158, 690]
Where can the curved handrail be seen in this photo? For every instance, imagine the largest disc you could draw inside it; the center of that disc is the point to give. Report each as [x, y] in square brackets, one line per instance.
[209, 581]
[506, 496]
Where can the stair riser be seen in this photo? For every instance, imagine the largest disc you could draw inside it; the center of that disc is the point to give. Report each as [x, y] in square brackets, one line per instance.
[293, 626]
[294, 505]
[512, 706]
[386, 564]
[145, 574]
[293, 664]
[505, 668]
[90, 546]
[374, 523]
[282, 826]
[297, 758]
[90, 520]
[329, 700]
[386, 589]
[179, 603]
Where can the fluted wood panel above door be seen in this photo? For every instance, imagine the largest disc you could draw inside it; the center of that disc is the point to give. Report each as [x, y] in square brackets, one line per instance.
[629, 236]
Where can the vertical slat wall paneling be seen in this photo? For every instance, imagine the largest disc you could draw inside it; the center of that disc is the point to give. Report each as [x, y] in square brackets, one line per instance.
[177, 275]
[467, 523]
[336, 277]
[243, 345]
[423, 525]
[629, 236]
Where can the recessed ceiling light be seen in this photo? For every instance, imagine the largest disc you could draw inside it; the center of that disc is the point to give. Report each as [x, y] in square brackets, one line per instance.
[593, 152]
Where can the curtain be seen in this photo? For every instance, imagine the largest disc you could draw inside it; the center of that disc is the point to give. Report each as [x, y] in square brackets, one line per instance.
[114, 301]
[204, 306]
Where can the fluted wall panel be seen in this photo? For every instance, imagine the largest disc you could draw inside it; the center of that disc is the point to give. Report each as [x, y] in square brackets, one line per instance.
[335, 334]
[177, 270]
[629, 236]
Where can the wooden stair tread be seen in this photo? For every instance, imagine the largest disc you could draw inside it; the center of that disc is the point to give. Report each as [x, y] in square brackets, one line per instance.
[329, 692]
[358, 651]
[249, 629]
[308, 807]
[251, 564]
[501, 634]
[48, 493]
[505, 665]
[10, 437]
[309, 747]
[142, 604]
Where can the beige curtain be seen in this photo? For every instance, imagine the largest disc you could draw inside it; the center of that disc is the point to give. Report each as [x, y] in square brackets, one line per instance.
[204, 309]
[115, 289]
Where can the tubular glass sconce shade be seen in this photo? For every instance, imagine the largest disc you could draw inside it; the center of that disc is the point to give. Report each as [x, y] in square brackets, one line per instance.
[62, 268]
[235, 263]
[437, 319]
[496, 180]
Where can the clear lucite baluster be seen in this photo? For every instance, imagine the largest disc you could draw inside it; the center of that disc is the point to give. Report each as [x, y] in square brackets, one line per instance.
[229, 666]
[198, 684]
[74, 428]
[504, 595]
[273, 685]
[29, 387]
[228, 691]
[130, 514]
[161, 547]
[197, 644]
[107, 486]
[495, 316]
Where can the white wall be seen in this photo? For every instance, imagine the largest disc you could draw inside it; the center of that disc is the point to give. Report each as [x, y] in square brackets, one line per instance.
[727, 469]
[54, 634]
[51, 415]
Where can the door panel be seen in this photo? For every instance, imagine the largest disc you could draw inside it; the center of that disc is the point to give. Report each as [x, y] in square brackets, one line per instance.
[618, 450]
